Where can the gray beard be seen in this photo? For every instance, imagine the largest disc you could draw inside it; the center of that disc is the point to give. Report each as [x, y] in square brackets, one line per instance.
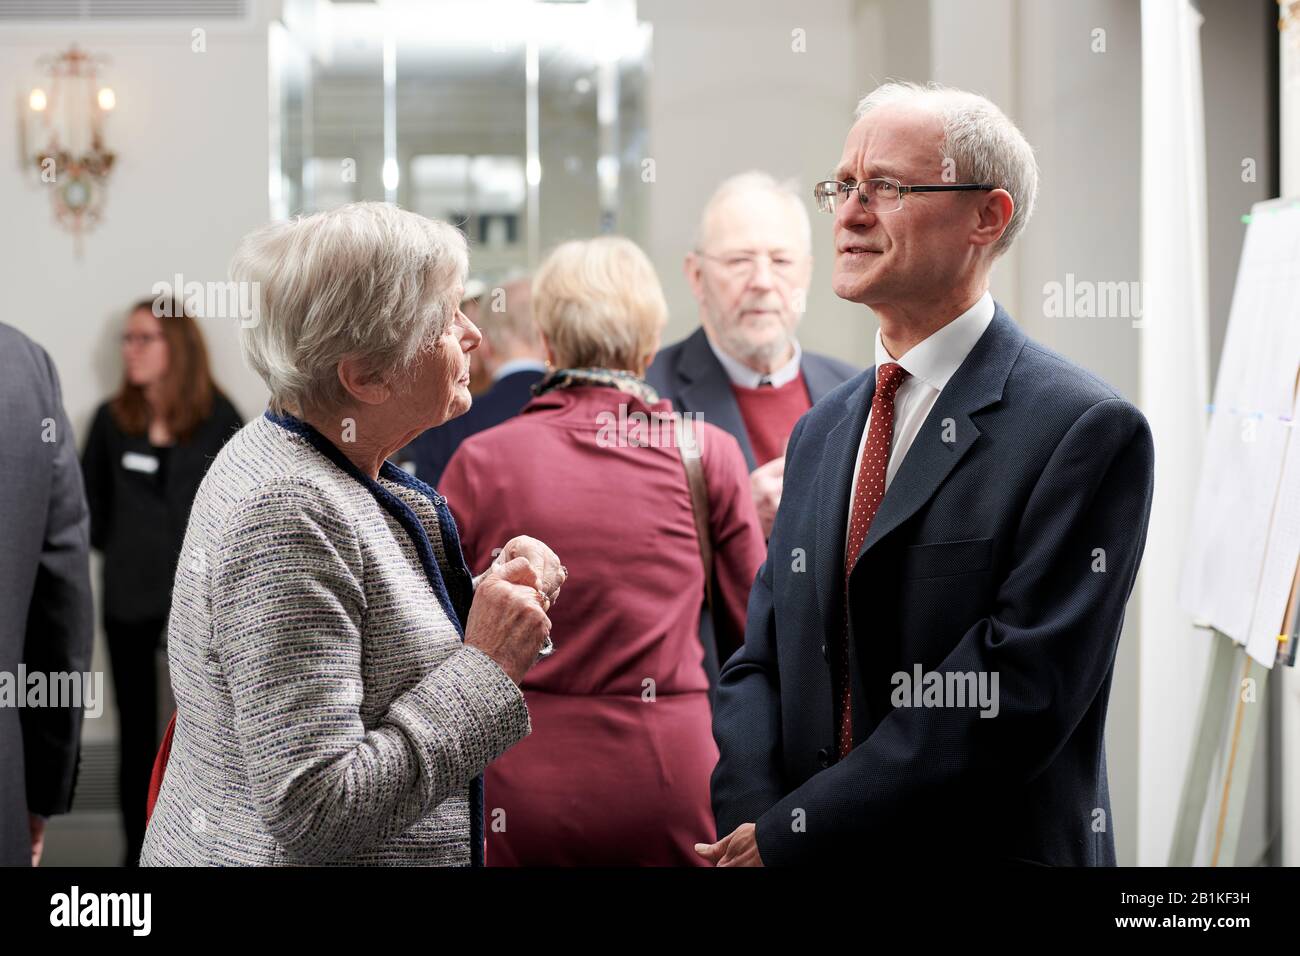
[762, 356]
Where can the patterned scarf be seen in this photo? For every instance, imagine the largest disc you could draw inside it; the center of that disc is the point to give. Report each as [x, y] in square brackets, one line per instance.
[608, 377]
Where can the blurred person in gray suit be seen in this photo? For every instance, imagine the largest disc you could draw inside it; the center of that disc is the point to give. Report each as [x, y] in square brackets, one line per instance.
[45, 608]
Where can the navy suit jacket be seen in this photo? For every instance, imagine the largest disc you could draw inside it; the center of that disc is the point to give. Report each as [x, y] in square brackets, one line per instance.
[1007, 543]
[503, 400]
[690, 375]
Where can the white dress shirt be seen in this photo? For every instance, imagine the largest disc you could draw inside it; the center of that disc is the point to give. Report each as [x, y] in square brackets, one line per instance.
[744, 376]
[931, 362]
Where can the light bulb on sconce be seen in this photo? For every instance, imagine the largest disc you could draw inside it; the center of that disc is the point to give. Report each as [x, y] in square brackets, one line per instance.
[37, 100]
[107, 98]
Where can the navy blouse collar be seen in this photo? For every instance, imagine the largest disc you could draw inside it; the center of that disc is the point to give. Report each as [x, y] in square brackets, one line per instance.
[331, 451]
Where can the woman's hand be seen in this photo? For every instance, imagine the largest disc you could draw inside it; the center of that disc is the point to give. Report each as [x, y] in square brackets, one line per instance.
[507, 619]
[551, 574]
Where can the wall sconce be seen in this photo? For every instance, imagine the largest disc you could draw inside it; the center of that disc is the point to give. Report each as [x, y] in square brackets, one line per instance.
[63, 137]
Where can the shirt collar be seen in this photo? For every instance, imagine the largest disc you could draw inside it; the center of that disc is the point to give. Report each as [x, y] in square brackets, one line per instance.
[517, 365]
[744, 376]
[934, 359]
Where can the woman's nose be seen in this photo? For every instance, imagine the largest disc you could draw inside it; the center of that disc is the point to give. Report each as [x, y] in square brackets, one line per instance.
[472, 337]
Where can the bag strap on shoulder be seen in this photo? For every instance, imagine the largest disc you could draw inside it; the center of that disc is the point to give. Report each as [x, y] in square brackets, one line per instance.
[688, 446]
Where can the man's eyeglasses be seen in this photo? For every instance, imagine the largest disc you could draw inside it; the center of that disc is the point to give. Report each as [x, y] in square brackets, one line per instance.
[879, 195]
[741, 265]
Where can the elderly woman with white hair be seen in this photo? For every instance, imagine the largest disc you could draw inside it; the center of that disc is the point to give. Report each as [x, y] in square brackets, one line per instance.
[341, 680]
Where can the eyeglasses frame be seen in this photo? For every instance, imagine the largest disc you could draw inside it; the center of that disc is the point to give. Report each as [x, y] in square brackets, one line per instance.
[902, 190]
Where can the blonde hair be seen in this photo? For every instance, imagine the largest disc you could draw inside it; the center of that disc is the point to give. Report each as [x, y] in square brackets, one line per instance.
[599, 304]
[365, 279]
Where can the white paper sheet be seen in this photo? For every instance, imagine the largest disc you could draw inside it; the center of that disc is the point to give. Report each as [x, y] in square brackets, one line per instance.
[1244, 540]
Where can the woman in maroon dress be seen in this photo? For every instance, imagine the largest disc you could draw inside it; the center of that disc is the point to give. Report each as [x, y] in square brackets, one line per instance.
[616, 770]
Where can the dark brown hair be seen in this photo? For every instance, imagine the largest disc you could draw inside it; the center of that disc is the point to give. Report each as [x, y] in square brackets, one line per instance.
[187, 387]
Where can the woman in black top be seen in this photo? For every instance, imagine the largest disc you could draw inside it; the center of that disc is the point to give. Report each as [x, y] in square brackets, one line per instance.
[148, 450]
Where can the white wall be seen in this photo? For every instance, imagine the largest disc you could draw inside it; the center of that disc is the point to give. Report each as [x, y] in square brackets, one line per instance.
[729, 94]
[1239, 110]
[1288, 681]
[190, 132]
[1080, 110]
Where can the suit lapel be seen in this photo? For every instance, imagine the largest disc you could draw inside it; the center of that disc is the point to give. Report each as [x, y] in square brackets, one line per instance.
[834, 477]
[706, 388]
[818, 377]
[977, 384]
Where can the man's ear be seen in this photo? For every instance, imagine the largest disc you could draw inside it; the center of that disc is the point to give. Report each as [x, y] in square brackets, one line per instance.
[361, 382]
[994, 216]
[694, 276]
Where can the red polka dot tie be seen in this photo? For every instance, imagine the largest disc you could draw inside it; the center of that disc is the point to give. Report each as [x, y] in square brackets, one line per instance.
[868, 490]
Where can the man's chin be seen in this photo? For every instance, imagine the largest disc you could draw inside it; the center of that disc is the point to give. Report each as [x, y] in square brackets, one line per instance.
[762, 326]
[852, 287]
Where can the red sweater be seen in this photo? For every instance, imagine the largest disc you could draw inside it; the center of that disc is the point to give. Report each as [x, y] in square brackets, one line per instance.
[770, 415]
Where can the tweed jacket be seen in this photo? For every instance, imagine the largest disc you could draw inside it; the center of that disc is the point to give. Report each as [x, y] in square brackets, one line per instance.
[328, 710]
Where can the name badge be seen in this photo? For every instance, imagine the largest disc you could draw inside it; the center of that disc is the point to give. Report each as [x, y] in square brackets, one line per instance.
[134, 461]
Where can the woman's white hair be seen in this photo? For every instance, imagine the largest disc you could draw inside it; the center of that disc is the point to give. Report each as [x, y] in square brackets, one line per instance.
[367, 279]
[983, 144]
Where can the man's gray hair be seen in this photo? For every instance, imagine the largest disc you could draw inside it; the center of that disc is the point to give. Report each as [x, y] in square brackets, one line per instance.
[754, 181]
[983, 144]
[366, 279]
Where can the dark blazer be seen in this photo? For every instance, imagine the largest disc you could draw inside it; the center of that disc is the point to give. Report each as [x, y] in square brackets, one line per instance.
[690, 375]
[1010, 549]
[431, 451]
[45, 610]
[137, 518]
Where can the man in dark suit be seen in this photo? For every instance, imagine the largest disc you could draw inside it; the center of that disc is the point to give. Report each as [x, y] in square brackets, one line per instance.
[45, 607]
[940, 695]
[512, 358]
[743, 368]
